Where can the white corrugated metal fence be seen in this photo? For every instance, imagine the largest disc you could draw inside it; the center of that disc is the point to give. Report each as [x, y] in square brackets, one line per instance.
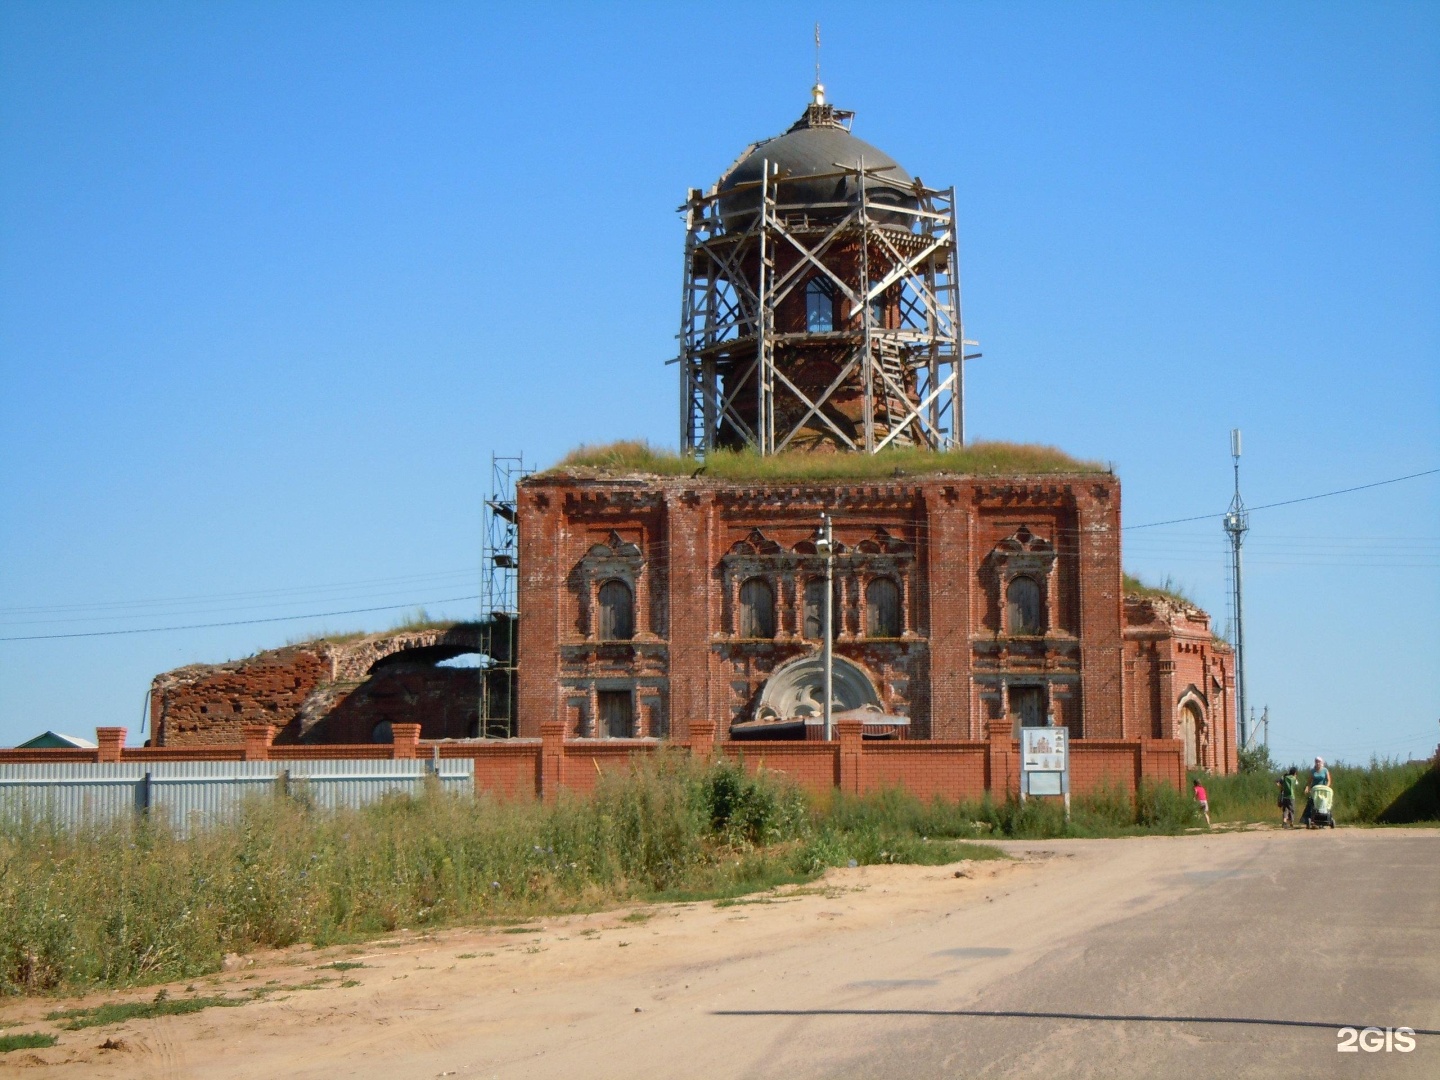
[190, 793]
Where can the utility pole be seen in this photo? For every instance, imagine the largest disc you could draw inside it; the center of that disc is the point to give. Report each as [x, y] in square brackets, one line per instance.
[825, 545]
[1237, 524]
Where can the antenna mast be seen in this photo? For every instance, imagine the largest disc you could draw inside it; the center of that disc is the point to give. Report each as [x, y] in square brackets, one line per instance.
[817, 92]
[1237, 524]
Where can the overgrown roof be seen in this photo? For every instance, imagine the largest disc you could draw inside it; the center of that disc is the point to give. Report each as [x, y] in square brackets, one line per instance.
[1166, 590]
[633, 457]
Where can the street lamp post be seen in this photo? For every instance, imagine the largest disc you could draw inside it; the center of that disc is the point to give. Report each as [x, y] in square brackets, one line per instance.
[825, 545]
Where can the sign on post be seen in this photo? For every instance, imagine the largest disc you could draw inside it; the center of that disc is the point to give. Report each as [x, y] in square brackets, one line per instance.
[1045, 762]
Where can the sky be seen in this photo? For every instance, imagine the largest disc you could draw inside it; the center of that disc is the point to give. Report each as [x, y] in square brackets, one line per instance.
[276, 279]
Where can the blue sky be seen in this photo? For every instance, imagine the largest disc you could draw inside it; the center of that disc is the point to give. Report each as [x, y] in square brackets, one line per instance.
[276, 278]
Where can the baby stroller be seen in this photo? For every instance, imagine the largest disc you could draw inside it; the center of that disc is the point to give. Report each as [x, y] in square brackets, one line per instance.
[1321, 811]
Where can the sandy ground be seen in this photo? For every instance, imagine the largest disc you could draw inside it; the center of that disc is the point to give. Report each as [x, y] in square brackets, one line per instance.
[1078, 958]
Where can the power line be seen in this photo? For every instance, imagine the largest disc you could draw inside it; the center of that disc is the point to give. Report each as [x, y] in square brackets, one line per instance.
[238, 622]
[1288, 502]
[243, 595]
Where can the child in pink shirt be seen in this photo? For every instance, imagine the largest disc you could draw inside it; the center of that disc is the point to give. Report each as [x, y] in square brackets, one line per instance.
[1204, 802]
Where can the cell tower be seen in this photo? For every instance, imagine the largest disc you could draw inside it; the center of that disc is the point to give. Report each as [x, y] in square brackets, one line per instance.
[499, 607]
[821, 303]
[1237, 524]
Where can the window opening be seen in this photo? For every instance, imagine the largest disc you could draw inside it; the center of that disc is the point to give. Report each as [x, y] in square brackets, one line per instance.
[757, 609]
[819, 306]
[617, 713]
[1027, 708]
[882, 609]
[1023, 609]
[815, 609]
[617, 611]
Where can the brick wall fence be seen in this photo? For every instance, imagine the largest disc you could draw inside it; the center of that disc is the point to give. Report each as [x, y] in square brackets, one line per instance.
[529, 768]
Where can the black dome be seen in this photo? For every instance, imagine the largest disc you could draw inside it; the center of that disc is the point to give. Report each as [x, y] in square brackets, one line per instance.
[816, 143]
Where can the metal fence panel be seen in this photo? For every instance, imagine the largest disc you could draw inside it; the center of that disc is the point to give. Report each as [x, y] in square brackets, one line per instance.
[189, 793]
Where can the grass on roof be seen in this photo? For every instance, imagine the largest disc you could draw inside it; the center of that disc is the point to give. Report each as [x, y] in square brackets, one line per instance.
[977, 459]
[1168, 589]
[419, 619]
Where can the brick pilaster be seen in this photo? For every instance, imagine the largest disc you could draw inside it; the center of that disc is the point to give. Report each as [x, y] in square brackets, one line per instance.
[258, 738]
[947, 610]
[407, 741]
[702, 739]
[110, 740]
[688, 536]
[1002, 776]
[552, 759]
[850, 743]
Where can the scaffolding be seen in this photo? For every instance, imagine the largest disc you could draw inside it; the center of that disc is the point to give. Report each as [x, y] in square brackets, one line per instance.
[893, 373]
[499, 599]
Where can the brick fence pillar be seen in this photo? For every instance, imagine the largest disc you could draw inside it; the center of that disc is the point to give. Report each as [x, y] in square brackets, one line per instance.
[552, 759]
[258, 738]
[702, 739]
[1003, 765]
[850, 741]
[407, 741]
[1161, 761]
[110, 740]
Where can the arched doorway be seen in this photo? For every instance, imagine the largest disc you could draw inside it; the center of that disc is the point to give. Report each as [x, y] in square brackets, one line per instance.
[1192, 722]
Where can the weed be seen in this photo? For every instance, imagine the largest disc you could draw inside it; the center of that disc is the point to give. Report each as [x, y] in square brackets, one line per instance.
[119, 1012]
[1169, 589]
[982, 458]
[34, 1040]
[341, 965]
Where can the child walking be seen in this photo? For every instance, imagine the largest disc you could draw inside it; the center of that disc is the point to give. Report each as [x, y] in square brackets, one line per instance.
[1287, 784]
[1204, 802]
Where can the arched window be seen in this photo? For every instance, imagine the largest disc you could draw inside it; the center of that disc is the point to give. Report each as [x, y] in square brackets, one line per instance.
[815, 609]
[617, 611]
[819, 305]
[757, 609]
[882, 609]
[1023, 614]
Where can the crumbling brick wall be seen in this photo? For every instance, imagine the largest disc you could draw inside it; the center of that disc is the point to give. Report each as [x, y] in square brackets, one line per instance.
[323, 691]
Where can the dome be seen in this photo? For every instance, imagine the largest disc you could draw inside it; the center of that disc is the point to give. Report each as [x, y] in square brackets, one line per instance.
[816, 143]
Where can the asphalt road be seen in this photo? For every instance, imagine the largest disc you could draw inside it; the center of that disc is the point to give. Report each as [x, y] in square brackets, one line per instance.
[1244, 957]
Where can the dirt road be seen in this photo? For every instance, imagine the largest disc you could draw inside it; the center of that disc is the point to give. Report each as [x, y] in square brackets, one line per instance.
[1218, 955]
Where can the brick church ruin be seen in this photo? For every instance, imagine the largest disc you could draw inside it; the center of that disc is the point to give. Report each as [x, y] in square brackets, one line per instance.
[975, 590]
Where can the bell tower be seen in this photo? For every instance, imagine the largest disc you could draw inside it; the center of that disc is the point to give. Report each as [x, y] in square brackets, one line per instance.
[821, 305]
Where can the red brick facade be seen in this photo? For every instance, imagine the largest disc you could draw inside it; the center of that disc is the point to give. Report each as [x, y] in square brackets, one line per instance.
[1180, 680]
[965, 658]
[951, 547]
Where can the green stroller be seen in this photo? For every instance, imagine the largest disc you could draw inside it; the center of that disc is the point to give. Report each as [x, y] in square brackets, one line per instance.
[1321, 811]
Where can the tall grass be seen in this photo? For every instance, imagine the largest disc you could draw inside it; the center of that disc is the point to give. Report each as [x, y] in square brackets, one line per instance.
[131, 902]
[1382, 792]
[983, 458]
